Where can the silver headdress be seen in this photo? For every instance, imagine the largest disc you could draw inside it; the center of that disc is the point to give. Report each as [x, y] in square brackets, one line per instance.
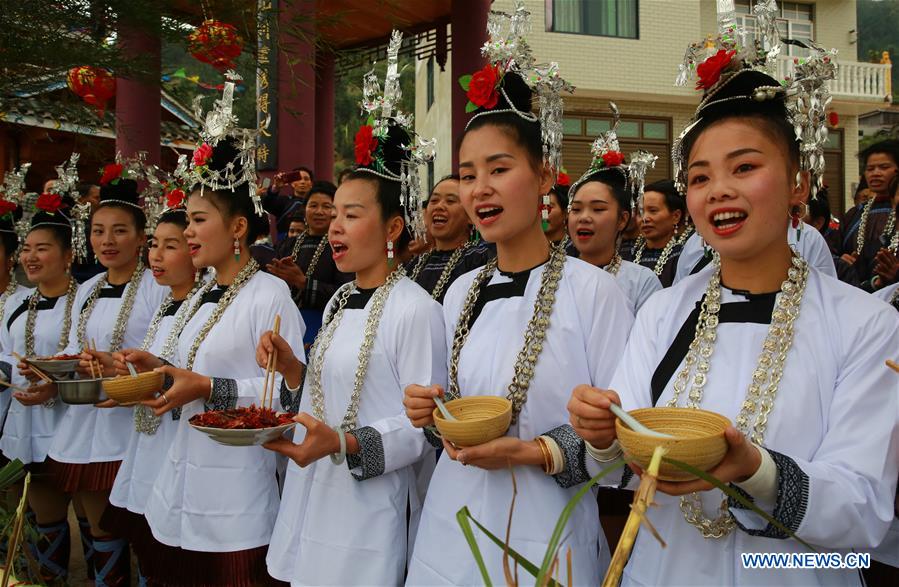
[732, 70]
[384, 114]
[507, 51]
[607, 157]
[153, 193]
[221, 125]
[13, 188]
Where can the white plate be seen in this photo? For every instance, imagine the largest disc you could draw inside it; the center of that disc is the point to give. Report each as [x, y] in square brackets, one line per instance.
[256, 437]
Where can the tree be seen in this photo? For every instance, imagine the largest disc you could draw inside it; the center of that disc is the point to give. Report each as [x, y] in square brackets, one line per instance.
[877, 32]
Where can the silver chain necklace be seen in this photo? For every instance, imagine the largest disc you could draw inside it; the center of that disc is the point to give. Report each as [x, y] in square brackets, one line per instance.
[762, 391]
[323, 343]
[443, 280]
[890, 229]
[614, 265]
[313, 263]
[31, 319]
[534, 334]
[118, 331]
[862, 227]
[240, 281]
[10, 289]
[663, 256]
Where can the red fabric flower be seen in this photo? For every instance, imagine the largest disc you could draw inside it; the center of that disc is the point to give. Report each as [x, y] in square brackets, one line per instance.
[709, 71]
[111, 172]
[563, 179]
[49, 202]
[365, 145]
[202, 155]
[612, 158]
[833, 119]
[175, 198]
[7, 207]
[482, 88]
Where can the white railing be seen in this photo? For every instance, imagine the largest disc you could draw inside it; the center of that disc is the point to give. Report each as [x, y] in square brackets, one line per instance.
[855, 80]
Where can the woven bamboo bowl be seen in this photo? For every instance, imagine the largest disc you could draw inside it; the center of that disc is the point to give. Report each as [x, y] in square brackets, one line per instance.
[698, 439]
[479, 419]
[128, 389]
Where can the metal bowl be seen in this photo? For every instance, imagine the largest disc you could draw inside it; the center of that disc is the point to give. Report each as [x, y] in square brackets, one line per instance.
[61, 369]
[245, 437]
[81, 391]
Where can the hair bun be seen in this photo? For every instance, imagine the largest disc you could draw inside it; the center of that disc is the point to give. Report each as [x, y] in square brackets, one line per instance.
[223, 154]
[124, 190]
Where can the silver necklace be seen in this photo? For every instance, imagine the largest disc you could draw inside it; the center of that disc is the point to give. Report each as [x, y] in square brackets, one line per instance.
[443, 280]
[10, 289]
[614, 265]
[313, 263]
[762, 391]
[323, 343]
[534, 334]
[118, 332]
[663, 256]
[31, 319]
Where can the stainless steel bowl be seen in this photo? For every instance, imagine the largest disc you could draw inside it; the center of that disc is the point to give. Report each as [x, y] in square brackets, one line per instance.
[81, 391]
[64, 369]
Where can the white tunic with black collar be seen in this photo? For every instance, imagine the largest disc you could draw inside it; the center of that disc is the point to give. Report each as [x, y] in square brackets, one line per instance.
[347, 524]
[96, 435]
[637, 282]
[832, 432]
[146, 452]
[209, 497]
[28, 430]
[588, 329]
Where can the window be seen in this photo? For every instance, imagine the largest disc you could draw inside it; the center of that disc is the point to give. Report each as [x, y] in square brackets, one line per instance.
[607, 18]
[431, 83]
[796, 22]
[430, 177]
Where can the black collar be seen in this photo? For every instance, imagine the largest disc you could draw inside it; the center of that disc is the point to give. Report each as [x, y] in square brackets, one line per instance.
[43, 304]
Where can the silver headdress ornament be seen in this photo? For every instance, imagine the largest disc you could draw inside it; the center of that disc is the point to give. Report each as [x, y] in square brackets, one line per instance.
[383, 112]
[507, 49]
[13, 188]
[153, 193]
[607, 157]
[67, 184]
[220, 124]
[729, 56]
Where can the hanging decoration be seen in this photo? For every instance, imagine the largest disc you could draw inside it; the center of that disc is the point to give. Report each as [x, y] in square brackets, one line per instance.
[216, 43]
[92, 84]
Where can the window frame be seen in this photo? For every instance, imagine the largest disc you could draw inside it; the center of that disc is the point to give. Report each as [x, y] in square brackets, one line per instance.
[551, 24]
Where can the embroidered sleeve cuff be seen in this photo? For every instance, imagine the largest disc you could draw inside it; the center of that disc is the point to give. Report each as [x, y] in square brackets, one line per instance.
[6, 371]
[573, 453]
[369, 461]
[290, 398]
[792, 492]
[223, 395]
[432, 438]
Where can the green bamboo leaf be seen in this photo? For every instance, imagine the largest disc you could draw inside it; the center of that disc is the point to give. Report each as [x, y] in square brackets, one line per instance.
[470, 107]
[552, 547]
[465, 82]
[462, 518]
[730, 492]
[519, 558]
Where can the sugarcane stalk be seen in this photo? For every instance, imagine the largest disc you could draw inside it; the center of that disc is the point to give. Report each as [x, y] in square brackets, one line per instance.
[643, 498]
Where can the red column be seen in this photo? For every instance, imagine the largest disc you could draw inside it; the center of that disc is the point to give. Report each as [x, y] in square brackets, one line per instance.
[296, 86]
[137, 102]
[324, 116]
[469, 30]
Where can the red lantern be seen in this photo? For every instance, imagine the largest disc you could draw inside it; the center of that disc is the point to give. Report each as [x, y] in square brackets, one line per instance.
[833, 119]
[93, 85]
[216, 43]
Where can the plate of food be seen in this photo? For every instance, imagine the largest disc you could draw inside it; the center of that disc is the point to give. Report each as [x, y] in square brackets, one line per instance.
[251, 426]
[57, 366]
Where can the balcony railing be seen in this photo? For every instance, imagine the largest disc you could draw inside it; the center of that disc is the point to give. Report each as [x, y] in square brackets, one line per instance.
[855, 80]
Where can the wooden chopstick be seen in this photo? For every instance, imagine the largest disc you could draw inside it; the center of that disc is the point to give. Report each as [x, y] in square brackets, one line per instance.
[270, 369]
[97, 361]
[46, 378]
[11, 386]
[892, 365]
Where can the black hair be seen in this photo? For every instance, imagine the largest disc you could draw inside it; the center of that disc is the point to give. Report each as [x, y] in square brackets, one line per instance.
[343, 173]
[819, 207]
[673, 199]
[451, 176]
[177, 216]
[10, 243]
[122, 195]
[307, 170]
[561, 193]
[388, 196]
[322, 187]
[732, 100]
[888, 147]
[85, 188]
[523, 132]
[8, 236]
[236, 202]
[61, 234]
[615, 180]
[298, 217]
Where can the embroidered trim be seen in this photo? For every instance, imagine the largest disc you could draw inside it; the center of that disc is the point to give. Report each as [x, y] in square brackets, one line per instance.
[792, 498]
[6, 369]
[626, 477]
[432, 438]
[289, 401]
[574, 452]
[371, 454]
[223, 395]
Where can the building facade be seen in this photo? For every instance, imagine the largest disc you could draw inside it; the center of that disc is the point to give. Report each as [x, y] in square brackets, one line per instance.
[627, 51]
